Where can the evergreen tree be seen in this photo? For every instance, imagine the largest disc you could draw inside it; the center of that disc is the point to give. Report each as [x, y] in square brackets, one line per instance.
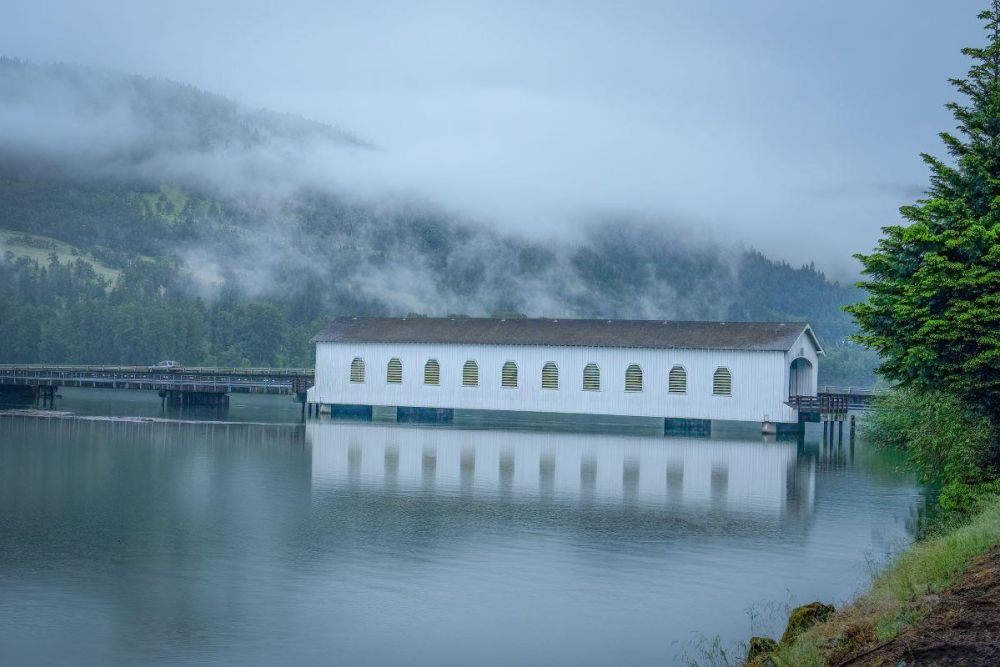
[933, 306]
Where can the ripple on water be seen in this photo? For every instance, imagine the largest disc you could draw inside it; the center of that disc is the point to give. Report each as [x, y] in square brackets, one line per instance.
[256, 543]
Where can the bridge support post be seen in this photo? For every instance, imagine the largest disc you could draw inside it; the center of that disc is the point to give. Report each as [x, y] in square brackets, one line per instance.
[178, 398]
[46, 395]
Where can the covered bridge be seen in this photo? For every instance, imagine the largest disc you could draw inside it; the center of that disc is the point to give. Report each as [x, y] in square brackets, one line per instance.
[695, 371]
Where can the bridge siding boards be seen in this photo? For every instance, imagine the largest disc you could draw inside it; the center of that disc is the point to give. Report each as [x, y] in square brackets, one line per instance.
[760, 377]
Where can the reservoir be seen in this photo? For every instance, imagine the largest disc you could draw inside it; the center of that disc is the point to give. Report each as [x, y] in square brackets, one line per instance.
[133, 536]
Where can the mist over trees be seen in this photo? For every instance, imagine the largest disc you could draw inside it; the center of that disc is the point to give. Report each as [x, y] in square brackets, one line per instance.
[210, 269]
[933, 306]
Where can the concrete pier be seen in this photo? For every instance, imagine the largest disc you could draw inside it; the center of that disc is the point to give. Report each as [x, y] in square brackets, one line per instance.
[695, 427]
[425, 415]
[180, 398]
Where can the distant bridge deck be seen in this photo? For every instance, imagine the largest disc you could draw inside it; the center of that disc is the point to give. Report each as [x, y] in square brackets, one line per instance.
[188, 379]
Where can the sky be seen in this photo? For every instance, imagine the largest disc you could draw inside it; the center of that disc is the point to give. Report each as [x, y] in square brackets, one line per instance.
[793, 127]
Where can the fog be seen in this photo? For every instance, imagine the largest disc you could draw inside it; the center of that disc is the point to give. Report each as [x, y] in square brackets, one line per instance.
[792, 127]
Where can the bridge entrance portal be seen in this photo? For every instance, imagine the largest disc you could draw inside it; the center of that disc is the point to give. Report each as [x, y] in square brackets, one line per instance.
[800, 378]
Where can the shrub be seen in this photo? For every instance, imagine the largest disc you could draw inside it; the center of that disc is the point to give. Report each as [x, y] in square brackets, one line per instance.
[952, 447]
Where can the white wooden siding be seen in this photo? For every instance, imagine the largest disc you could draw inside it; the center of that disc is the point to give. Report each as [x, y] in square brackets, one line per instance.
[759, 380]
[805, 349]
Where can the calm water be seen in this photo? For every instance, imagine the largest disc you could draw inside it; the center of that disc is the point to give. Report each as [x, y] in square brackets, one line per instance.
[263, 541]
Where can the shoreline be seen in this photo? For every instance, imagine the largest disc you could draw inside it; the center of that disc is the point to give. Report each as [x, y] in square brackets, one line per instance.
[938, 603]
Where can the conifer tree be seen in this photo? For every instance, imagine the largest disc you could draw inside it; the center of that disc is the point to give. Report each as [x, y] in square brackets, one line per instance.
[933, 306]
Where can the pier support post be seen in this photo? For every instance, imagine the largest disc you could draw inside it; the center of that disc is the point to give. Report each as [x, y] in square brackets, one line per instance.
[184, 399]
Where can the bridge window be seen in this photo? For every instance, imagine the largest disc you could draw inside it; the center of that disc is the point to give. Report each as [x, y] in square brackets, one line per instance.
[677, 383]
[591, 377]
[550, 375]
[722, 382]
[470, 374]
[394, 371]
[508, 375]
[633, 378]
[358, 370]
[432, 372]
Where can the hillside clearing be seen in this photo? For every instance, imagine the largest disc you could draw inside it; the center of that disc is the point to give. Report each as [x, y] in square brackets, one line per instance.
[39, 248]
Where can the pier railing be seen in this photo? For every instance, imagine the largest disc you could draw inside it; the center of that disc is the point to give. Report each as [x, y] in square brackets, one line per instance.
[849, 391]
[831, 399]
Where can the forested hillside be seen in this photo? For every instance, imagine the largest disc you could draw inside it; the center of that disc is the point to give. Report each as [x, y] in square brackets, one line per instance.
[149, 258]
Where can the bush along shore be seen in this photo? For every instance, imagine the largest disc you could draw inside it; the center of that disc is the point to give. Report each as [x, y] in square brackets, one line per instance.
[932, 313]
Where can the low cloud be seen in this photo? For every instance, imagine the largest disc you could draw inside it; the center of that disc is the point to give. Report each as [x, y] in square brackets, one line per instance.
[748, 122]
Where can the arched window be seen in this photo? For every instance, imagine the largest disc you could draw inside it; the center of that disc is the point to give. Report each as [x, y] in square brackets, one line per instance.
[508, 375]
[633, 378]
[591, 377]
[722, 382]
[677, 383]
[358, 370]
[432, 372]
[550, 375]
[470, 374]
[394, 371]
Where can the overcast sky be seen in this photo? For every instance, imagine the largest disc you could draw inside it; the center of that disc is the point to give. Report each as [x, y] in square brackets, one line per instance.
[793, 126]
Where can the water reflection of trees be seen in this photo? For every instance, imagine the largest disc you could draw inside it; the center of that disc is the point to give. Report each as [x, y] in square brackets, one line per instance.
[137, 513]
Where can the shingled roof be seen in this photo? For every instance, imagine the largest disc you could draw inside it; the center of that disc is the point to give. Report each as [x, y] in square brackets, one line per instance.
[646, 334]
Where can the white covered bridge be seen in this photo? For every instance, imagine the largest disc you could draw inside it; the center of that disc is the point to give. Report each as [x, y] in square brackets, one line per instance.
[684, 372]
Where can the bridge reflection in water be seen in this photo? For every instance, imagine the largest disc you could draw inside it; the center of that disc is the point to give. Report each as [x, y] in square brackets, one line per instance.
[286, 543]
[735, 476]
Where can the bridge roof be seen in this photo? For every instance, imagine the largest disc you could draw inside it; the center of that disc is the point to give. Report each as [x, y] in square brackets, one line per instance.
[645, 334]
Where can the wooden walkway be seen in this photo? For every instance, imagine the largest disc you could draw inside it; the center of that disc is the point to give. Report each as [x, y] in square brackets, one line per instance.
[832, 403]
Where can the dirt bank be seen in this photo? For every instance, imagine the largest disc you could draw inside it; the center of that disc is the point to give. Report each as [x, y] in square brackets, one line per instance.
[962, 625]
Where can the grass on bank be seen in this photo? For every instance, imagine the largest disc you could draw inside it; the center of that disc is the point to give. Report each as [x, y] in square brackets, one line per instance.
[900, 596]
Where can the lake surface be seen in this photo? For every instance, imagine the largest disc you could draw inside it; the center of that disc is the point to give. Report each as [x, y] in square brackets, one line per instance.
[260, 540]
